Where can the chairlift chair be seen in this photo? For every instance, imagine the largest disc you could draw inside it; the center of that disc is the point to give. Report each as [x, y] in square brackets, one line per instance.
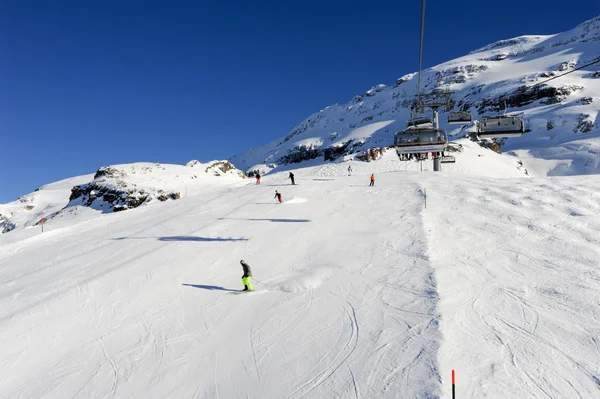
[460, 117]
[419, 121]
[500, 126]
[419, 140]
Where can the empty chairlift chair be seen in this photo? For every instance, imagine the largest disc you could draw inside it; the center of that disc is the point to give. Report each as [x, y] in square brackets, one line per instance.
[419, 140]
[500, 126]
[460, 117]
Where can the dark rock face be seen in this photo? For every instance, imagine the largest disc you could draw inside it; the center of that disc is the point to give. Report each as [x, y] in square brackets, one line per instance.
[524, 96]
[117, 199]
[372, 154]
[5, 225]
[114, 193]
[108, 172]
[299, 154]
[584, 124]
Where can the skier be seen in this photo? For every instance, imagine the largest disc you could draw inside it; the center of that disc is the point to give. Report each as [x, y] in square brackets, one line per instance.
[247, 276]
[372, 180]
[349, 170]
[278, 196]
[292, 178]
[257, 178]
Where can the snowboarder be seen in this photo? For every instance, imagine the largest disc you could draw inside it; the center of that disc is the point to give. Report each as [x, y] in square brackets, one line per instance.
[372, 180]
[257, 178]
[292, 178]
[247, 276]
[278, 196]
[349, 170]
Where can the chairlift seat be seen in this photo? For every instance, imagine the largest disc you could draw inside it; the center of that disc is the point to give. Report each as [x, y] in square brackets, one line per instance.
[460, 117]
[500, 126]
[420, 140]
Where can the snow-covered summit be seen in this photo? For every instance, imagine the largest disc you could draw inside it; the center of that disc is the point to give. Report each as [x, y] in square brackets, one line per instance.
[561, 114]
[114, 188]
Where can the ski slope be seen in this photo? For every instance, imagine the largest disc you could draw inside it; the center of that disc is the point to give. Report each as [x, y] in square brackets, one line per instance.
[361, 292]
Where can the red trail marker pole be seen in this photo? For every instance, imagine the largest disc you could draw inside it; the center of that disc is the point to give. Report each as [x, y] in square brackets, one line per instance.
[453, 390]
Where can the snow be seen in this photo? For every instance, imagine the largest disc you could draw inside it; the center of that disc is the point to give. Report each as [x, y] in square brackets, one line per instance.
[361, 291]
[48, 199]
[493, 72]
[152, 179]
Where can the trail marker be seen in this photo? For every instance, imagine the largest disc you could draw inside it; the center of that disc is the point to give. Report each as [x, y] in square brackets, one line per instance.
[453, 390]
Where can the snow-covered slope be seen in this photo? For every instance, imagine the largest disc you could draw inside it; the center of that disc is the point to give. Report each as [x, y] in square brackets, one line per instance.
[48, 199]
[361, 291]
[561, 115]
[114, 188]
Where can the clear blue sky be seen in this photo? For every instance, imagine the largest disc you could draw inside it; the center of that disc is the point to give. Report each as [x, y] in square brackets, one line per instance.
[87, 83]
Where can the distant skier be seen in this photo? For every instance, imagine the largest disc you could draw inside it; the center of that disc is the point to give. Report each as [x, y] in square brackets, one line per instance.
[257, 178]
[372, 180]
[292, 178]
[349, 170]
[247, 276]
[278, 196]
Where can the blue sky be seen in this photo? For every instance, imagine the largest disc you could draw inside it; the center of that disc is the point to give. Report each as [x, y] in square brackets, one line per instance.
[90, 83]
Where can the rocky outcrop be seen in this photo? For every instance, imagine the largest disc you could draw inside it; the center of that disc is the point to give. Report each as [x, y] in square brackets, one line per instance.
[584, 124]
[110, 191]
[523, 96]
[6, 225]
[372, 154]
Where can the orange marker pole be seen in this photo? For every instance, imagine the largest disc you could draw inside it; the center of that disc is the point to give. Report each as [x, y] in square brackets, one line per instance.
[453, 390]
[42, 220]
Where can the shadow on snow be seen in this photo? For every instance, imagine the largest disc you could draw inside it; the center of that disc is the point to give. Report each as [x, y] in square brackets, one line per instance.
[209, 287]
[185, 238]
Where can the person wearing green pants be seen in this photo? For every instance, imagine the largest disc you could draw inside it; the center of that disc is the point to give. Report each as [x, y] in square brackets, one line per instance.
[247, 276]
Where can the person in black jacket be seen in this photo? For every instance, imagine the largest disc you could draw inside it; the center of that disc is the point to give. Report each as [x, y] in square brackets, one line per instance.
[278, 196]
[247, 276]
[292, 178]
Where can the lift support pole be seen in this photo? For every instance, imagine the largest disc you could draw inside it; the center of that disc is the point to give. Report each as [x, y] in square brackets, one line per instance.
[437, 165]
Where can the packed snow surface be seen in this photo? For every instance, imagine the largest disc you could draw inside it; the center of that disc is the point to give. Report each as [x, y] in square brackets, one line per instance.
[361, 292]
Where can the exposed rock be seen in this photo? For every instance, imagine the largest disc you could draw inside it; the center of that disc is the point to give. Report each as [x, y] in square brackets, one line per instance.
[526, 95]
[299, 154]
[6, 225]
[193, 163]
[109, 172]
[371, 154]
[584, 124]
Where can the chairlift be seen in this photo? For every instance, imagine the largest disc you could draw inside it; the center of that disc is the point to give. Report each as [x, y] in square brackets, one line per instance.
[460, 117]
[419, 121]
[500, 126]
[419, 140]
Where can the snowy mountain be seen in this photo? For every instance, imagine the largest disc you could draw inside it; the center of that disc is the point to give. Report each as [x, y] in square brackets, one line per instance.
[360, 291]
[114, 188]
[561, 115]
[489, 268]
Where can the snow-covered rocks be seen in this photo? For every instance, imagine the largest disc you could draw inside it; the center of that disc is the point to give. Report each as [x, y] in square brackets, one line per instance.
[511, 72]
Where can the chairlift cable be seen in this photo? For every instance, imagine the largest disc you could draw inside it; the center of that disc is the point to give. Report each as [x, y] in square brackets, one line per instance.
[421, 51]
[566, 73]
